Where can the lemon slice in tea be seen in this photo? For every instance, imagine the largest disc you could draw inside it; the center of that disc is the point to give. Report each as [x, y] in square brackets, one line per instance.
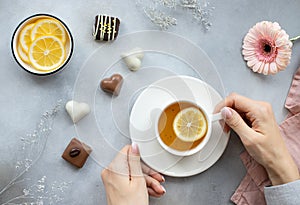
[190, 124]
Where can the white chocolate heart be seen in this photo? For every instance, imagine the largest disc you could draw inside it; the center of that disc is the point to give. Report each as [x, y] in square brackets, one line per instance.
[77, 110]
[133, 59]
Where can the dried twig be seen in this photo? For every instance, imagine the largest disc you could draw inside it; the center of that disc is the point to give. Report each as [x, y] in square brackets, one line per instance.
[154, 10]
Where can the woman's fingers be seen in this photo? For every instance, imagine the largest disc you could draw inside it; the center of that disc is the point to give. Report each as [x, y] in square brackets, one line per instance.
[236, 122]
[237, 102]
[153, 180]
[240, 104]
[150, 172]
[154, 187]
[152, 193]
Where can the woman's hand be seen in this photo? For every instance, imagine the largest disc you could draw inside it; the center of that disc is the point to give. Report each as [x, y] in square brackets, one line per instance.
[255, 123]
[125, 182]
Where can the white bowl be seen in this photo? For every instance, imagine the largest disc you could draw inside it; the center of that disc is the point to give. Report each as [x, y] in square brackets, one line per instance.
[69, 45]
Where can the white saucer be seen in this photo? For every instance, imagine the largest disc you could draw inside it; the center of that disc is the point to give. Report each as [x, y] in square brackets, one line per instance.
[146, 110]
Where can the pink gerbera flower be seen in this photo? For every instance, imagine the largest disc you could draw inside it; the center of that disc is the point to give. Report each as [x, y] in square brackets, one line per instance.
[267, 48]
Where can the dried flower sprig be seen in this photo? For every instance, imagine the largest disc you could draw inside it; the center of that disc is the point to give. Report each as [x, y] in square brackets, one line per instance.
[190, 4]
[203, 13]
[168, 3]
[39, 193]
[154, 10]
[32, 146]
[159, 18]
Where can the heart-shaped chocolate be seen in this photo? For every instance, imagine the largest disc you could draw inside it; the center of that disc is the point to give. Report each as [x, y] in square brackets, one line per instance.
[133, 59]
[112, 85]
[77, 110]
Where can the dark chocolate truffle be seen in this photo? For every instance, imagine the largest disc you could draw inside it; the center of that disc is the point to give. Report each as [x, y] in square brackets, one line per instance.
[106, 28]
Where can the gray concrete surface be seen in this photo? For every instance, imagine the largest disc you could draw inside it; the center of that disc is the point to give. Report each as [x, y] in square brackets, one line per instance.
[25, 97]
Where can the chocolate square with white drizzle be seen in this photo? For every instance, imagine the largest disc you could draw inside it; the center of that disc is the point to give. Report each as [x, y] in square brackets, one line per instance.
[106, 28]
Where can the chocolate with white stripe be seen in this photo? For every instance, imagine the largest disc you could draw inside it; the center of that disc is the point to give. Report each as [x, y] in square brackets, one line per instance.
[106, 28]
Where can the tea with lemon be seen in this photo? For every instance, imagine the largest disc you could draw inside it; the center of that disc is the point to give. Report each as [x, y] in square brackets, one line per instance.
[182, 126]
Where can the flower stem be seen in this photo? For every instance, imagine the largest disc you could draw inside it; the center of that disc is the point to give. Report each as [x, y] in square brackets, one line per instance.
[18, 197]
[295, 38]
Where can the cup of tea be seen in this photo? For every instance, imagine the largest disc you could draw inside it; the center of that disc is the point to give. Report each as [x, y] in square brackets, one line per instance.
[183, 128]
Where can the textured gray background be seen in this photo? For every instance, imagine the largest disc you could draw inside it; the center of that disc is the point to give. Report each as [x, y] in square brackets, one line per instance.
[24, 97]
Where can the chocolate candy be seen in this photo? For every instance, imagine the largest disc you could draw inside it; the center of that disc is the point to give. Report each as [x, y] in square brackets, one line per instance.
[76, 153]
[112, 85]
[77, 110]
[133, 59]
[106, 28]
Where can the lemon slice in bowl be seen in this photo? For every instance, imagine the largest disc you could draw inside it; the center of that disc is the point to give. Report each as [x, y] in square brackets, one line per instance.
[22, 54]
[46, 53]
[25, 37]
[190, 124]
[48, 27]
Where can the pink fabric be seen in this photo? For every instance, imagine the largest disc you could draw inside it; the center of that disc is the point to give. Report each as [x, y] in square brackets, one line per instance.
[250, 190]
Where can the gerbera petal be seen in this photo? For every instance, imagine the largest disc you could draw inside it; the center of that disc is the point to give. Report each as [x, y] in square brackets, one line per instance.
[261, 67]
[266, 69]
[282, 35]
[251, 38]
[249, 47]
[255, 32]
[273, 68]
[273, 35]
[252, 62]
[282, 63]
[280, 42]
[248, 54]
[260, 29]
[276, 26]
[267, 29]
[250, 57]
[284, 54]
[281, 68]
[256, 66]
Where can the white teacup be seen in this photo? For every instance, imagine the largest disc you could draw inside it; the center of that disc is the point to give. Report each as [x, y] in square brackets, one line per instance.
[179, 147]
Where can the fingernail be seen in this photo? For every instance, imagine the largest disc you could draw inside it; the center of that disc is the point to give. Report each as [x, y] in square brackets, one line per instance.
[163, 178]
[134, 148]
[226, 113]
[163, 188]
